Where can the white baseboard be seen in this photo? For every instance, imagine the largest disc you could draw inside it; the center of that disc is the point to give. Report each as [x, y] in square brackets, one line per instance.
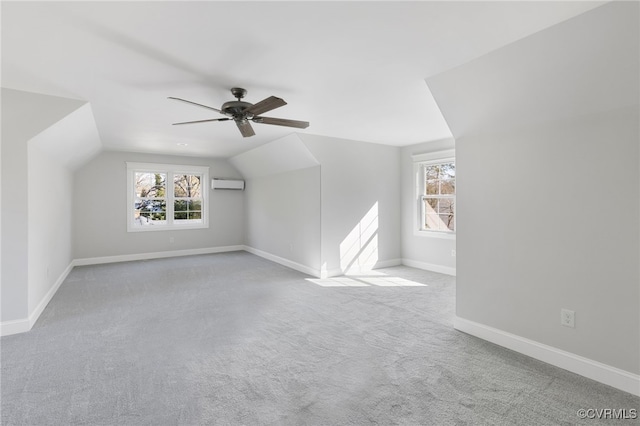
[387, 263]
[153, 255]
[591, 369]
[360, 269]
[23, 325]
[282, 261]
[8, 328]
[47, 298]
[447, 270]
[321, 273]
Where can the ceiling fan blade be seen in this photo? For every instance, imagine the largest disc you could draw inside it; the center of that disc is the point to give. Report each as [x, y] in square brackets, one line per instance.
[202, 121]
[282, 122]
[245, 128]
[193, 103]
[266, 105]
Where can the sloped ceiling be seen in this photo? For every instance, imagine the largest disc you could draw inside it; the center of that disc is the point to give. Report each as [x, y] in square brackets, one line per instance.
[283, 155]
[73, 140]
[355, 70]
[585, 65]
[24, 114]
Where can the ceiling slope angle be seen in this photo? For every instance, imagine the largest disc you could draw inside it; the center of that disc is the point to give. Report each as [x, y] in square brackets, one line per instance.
[364, 79]
[26, 114]
[534, 80]
[72, 141]
[286, 154]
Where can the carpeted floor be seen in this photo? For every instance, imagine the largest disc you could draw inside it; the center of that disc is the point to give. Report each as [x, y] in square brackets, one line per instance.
[233, 339]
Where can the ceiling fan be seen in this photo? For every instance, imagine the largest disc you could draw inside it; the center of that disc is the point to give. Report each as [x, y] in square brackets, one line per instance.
[243, 112]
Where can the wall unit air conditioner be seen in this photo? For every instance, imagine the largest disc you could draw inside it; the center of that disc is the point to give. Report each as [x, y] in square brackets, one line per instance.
[219, 183]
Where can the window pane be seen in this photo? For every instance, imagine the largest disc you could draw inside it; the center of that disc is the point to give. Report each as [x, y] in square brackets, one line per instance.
[195, 182]
[439, 214]
[445, 205]
[150, 212]
[151, 206]
[431, 205]
[180, 185]
[188, 210]
[432, 187]
[432, 222]
[150, 185]
[187, 205]
[187, 186]
[448, 186]
[446, 222]
[447, 171]
[432, 172]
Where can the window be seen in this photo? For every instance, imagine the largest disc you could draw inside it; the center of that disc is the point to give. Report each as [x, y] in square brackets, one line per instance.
[436, 193]
[166, 196]
[438, 199]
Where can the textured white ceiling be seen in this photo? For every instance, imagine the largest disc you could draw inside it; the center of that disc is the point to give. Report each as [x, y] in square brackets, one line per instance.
[355, 70]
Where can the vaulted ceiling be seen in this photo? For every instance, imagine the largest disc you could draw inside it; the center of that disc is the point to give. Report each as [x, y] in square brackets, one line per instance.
[354, 70]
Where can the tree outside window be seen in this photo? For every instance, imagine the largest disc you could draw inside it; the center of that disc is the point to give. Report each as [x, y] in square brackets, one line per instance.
[150, 203]
[187, 197]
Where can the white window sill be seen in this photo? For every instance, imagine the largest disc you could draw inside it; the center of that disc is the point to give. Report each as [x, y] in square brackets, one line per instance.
[148, 228]
[435, 234]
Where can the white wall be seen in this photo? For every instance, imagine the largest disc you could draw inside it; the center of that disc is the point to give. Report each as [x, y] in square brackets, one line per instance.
[49, 218]
[547, 141]
[548, 218]
[325, 206]
[14, 225]
[360, 203]
[283, 216]
[24, 115]
[100, 205]
[52, 156]
[282, 203]
[422, 251]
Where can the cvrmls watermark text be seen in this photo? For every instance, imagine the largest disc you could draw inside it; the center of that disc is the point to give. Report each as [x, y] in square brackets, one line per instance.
[608, 413]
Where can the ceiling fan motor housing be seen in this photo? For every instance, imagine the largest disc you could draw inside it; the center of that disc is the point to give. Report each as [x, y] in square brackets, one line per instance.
[235, 109]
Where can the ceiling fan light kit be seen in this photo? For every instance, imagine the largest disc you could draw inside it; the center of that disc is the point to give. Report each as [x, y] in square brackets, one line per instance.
[243, 112]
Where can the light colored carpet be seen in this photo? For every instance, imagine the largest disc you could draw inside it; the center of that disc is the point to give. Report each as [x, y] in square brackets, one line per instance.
[231, 338]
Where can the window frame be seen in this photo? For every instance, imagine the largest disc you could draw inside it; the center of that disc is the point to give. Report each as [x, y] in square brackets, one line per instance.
[420, 162]
[170, 170]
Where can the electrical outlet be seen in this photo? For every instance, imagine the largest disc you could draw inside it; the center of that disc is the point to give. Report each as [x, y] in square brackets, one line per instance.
[453, 253]
[568, 318]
